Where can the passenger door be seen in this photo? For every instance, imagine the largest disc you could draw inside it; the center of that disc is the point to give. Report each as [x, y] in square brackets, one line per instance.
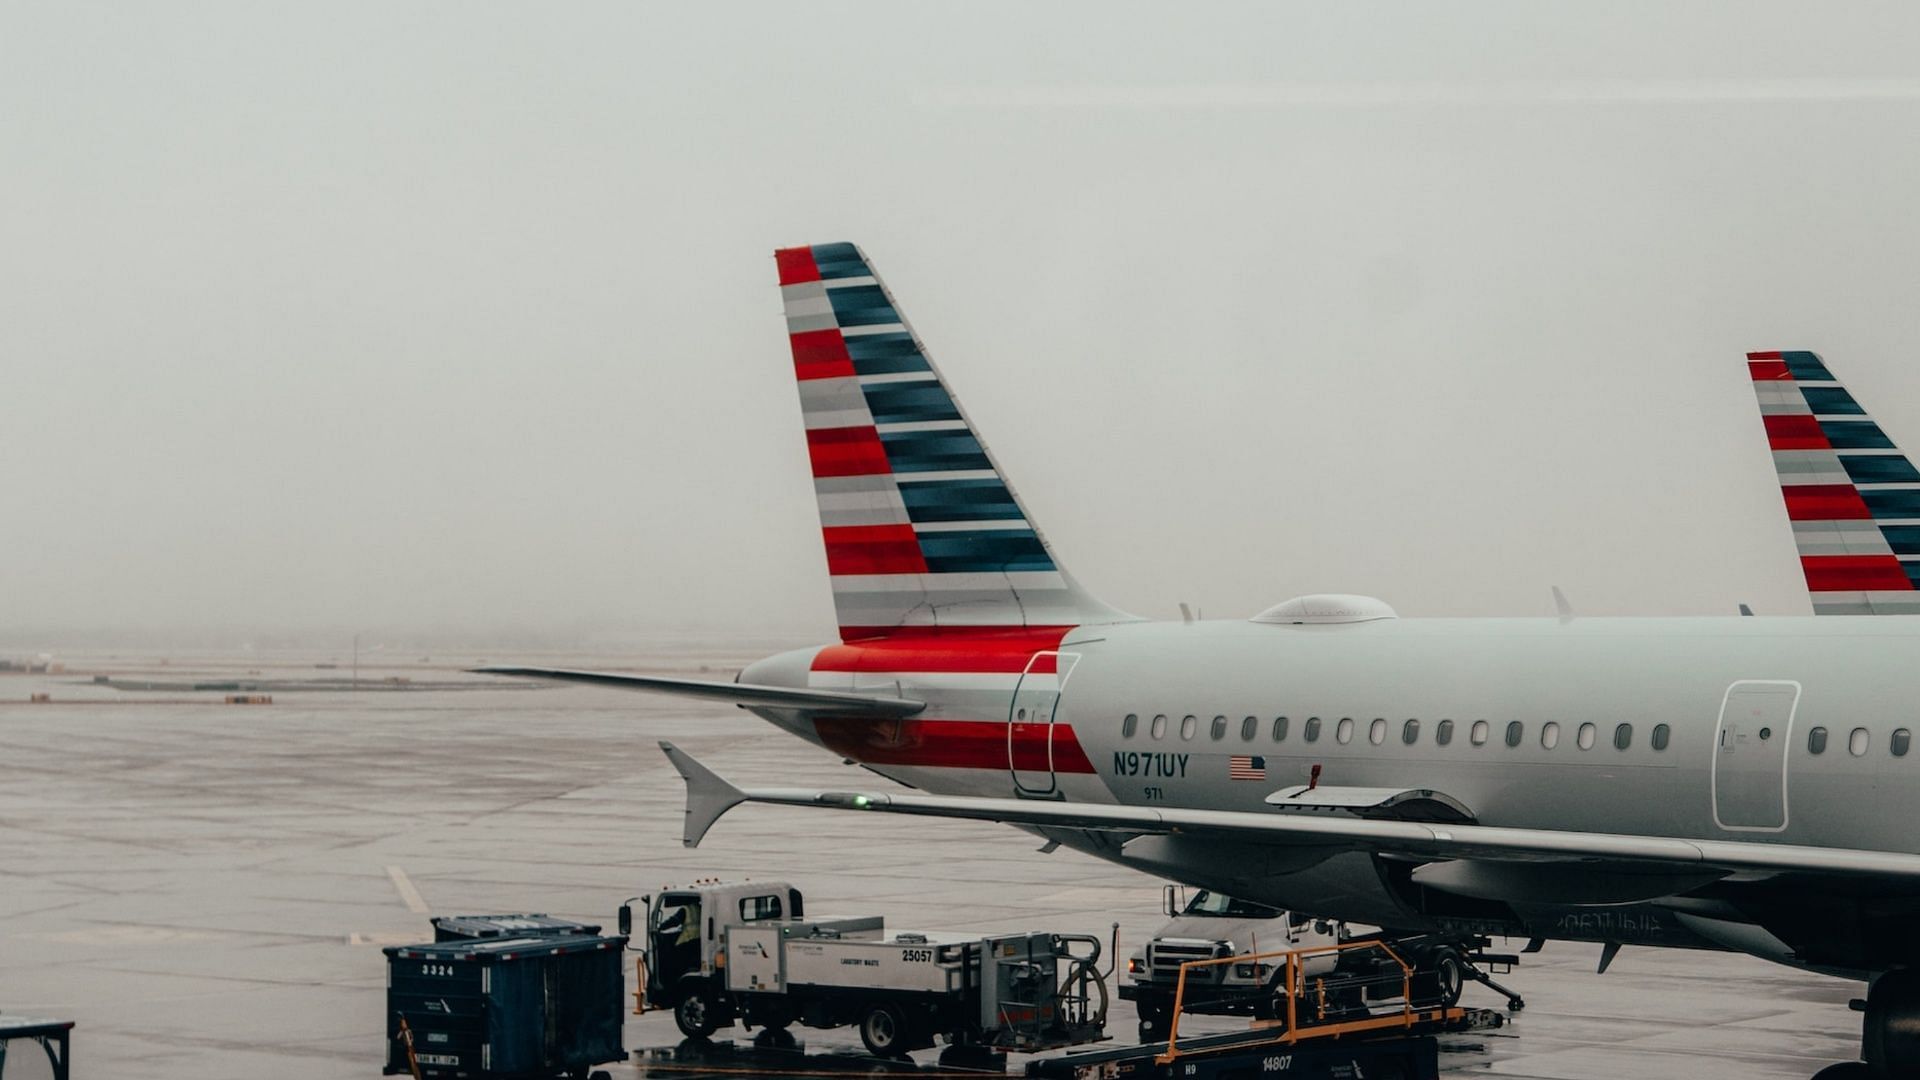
[1750, 755]
[1030, 720]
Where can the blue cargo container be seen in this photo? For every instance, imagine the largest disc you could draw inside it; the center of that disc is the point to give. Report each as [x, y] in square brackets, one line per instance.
[525, 1008]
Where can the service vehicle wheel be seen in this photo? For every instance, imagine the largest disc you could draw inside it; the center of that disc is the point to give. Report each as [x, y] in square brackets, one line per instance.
[1154, 1019]
[1445, 978]
[697, 1013]
[884, 1029]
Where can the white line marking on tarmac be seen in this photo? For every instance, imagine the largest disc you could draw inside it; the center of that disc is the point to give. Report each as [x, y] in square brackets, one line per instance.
[408, 893]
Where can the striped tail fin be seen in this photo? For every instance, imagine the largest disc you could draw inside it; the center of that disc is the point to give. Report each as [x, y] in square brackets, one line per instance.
[922, 529]
[1853, 497]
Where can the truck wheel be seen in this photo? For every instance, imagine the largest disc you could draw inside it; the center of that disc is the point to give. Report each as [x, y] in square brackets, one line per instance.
[884, 1029]
[1444, 979]
[697, 1014]
[1154, 1018]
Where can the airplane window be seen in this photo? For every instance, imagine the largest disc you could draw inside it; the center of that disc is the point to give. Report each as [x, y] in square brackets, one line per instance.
[1902, 738]
[1515, 731]
[1550, 735]
[1312, 732]
[1377, 731]
[1279, 729]
[1443, 733]
[1478, 735]
[1661, 734]
[1219, 728]
[1817, 741]
[1410, 732]
[1585, 736]
[1623, 736]
[1159, 728]
[1249, 727]
[1857, 741]
[1130, 725]
[1189, 725]
[1343, 731]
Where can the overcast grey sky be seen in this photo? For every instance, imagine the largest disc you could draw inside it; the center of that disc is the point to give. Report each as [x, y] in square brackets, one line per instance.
[457, 318]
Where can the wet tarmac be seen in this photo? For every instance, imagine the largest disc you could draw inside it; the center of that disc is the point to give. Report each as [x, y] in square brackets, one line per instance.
[204, 887]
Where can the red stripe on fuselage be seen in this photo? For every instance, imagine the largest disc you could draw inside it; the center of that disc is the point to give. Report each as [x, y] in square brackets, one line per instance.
[796, 265]
[1824, 502]
[1855, 573]
[975, 649]
[847, 451]
[873, 549]
[953, 744]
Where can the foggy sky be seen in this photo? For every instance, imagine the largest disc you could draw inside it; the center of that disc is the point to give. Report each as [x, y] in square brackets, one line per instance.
[456, 319]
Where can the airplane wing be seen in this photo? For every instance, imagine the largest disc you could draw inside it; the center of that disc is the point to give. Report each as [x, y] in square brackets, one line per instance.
[746, 694]
[709, 796]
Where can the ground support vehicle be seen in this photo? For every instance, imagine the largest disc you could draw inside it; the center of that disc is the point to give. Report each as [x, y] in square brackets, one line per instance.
[1213, 926]
[1334, 1020]
[716, 953]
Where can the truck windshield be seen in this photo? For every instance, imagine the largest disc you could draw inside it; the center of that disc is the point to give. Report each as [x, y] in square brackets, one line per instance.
[1224, 906]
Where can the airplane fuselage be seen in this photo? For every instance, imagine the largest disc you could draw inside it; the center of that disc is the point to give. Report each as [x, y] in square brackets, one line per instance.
[1790, 730]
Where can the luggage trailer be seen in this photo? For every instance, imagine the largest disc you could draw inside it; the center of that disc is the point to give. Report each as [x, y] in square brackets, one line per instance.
[1354, 1017]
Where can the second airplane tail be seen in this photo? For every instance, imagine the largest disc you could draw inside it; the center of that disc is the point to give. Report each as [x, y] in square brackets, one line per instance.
[1852, 496]
[922, 529]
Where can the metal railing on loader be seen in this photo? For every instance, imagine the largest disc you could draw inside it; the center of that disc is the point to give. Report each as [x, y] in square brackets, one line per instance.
[1354, 997]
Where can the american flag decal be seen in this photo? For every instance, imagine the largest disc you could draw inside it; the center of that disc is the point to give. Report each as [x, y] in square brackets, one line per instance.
[1243, 767]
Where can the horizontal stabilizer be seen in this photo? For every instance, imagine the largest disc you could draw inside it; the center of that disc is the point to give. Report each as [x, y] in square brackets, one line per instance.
[770, 697]
[708, 795]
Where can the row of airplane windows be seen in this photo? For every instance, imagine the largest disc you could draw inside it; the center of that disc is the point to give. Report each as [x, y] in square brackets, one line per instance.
[1478, 733]
[1858, 740]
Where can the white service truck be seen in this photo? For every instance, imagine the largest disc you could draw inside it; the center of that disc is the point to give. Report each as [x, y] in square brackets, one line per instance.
[716, 952]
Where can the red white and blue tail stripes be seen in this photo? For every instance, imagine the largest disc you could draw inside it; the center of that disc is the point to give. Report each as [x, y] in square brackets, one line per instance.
[922, 529]
[1853, 497]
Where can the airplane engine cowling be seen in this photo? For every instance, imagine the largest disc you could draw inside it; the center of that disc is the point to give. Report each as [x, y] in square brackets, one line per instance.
[1336, 883]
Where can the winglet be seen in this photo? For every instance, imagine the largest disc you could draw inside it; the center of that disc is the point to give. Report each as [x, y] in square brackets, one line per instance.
[708, 794]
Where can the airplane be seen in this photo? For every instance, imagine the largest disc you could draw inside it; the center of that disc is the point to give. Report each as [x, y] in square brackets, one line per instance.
[1726, 783]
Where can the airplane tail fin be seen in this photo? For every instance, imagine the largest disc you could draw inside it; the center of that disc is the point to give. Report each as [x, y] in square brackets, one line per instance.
[922, 529]
[1852, 496]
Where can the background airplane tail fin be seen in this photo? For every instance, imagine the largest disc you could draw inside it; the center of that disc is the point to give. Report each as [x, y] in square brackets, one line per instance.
[922, 529]
[1852, 496]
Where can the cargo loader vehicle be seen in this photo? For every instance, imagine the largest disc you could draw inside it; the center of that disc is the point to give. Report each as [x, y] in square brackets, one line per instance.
[1212, 926]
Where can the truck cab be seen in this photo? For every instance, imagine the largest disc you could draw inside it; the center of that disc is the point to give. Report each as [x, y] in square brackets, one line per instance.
[1210, 925]
[686, 929]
